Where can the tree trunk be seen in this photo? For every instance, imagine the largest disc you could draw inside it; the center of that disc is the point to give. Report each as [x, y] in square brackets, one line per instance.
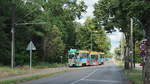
[134, 60]
[126, 65]
[147, 67]
[147, 61]
[146, 23]
[126, 56]
[44, 49]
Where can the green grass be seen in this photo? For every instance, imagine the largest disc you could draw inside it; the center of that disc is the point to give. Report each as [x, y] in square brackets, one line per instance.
[135, 76]
[48, 65]
[7, 71]
[30, 78]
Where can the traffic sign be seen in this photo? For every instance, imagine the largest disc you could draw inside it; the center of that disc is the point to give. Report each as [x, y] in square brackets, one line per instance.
[131, 52]
[142, 53]
[31, 46]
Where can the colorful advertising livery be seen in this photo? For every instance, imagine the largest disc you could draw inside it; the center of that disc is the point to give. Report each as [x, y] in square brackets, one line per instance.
[84, 57]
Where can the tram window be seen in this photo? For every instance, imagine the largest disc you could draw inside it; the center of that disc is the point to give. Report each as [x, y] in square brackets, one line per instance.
[71, 56]
[83, 55]
[95, 57]
[92, 56]
[77, 54]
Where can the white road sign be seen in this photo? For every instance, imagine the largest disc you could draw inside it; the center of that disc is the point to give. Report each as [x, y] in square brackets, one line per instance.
[31, 46]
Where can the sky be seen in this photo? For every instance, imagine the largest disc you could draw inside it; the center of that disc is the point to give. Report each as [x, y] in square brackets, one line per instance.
[115, 36]
[89, 11]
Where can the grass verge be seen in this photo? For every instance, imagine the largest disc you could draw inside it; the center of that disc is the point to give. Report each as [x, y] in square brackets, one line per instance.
[134, 76]
[30, 78]
[6, 71]
[42, 65]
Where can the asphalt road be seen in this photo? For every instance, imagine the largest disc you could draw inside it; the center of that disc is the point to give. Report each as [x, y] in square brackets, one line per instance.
[105, 74]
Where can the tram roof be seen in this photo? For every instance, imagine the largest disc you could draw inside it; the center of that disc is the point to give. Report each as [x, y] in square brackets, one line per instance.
[101, 53]
[94, 52]
[83, 51]
[72, 51]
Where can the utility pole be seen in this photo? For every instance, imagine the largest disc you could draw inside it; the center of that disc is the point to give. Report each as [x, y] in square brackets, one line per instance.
[131, 51]
[13, 33]
[13, 38]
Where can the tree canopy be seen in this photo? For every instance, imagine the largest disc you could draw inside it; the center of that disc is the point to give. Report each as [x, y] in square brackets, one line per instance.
[51, 25]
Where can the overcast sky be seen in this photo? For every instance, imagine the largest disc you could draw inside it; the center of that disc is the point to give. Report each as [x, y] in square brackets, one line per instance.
[115, 36]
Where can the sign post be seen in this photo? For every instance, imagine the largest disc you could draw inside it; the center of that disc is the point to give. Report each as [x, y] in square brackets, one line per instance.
[61, 58]
[31, 47]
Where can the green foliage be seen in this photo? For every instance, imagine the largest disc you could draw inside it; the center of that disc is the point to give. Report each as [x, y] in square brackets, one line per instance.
[118, 52]
[134, 76]
[109, 55]
[51, 39]
[91, 33]
[82, 37]
[4, 30]
[137, 51]
[53, 30]
[123, 10]
[118, 13]
[55, 45]
[4, 44]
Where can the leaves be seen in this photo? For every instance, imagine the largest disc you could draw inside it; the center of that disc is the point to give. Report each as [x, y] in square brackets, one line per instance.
[91, 34]
[50, 38]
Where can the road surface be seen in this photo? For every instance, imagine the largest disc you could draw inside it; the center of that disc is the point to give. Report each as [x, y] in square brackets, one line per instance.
[104, 74]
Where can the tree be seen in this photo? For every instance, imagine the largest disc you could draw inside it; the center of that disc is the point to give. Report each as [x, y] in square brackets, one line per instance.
[93, 35]
[4, 43]
[55, 45]
[109, 55]
[104, 12]
[60, 13]
[118, 52]
[123, 10]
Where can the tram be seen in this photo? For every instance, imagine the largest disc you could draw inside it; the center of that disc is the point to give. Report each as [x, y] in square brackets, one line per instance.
[84, 58]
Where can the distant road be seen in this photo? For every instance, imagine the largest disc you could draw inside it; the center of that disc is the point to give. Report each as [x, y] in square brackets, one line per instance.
[105, 74]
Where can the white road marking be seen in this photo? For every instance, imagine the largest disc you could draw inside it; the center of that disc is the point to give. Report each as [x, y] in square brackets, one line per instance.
[103, 80]
[90, 74]
[76, 81]
[85, 76]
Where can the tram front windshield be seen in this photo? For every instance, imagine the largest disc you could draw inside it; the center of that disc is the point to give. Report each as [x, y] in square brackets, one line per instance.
[71, 56]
